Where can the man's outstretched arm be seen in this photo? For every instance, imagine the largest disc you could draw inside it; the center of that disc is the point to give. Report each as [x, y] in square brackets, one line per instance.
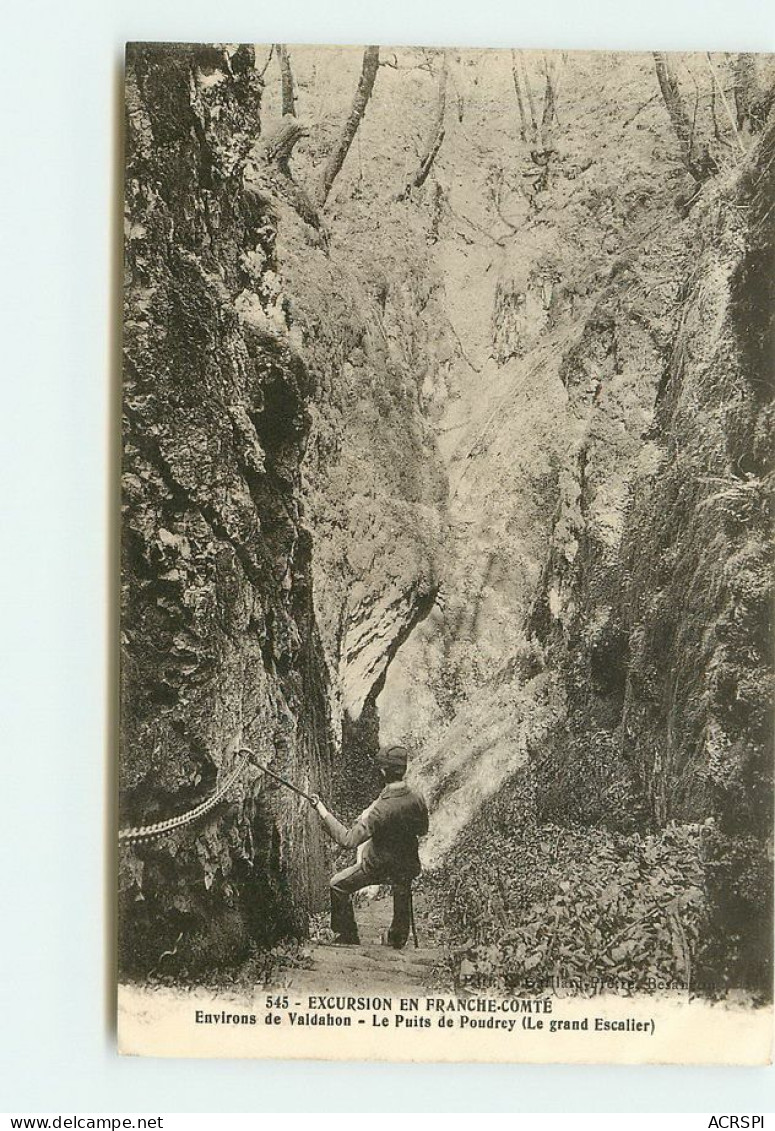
[346, 838]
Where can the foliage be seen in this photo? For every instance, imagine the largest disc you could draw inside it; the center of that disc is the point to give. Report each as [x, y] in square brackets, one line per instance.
[265, 967]
[582, 779]
[740, 885]
[530, 904]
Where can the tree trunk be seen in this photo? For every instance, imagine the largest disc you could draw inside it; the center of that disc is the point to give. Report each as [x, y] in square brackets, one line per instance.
[538, 135]
[752, 103]
[696, 158]
[341, 149]
[435, 135]
[668, 84]
[524, 127]
[530, 99]
[286, 80]
[548, 116]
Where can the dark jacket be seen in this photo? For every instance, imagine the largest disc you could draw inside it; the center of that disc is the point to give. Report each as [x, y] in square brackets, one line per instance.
[389, 829]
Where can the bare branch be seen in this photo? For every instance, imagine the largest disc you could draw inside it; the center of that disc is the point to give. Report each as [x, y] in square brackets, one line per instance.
[274, 149]
[262, 72]
[475, 226]
[278, 145]
[504, 219]
[460, 101]
[723, 97]
[639, 110]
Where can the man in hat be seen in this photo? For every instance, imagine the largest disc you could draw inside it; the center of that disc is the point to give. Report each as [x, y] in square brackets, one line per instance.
[388, 831]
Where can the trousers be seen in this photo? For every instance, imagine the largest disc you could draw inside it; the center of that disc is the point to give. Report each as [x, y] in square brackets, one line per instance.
[344, 885]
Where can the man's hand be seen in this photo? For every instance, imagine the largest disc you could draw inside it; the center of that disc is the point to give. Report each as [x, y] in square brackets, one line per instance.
[318, 805]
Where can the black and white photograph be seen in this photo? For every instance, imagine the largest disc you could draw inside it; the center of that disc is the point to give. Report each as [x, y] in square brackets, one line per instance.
[446, 570]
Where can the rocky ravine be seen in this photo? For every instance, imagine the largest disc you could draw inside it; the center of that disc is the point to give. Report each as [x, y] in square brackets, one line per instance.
[436, 468]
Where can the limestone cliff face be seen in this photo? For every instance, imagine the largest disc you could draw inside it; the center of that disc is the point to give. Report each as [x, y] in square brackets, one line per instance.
[220, 645]
[655, 605]
[697, 709]
[280, 514]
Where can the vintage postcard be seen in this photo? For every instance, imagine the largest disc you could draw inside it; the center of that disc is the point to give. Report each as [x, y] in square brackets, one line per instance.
[446, 723]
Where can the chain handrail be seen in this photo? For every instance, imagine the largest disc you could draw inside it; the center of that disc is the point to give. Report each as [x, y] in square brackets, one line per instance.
[148, 832]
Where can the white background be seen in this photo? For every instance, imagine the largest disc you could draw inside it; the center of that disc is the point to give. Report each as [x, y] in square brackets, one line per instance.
[59, 96]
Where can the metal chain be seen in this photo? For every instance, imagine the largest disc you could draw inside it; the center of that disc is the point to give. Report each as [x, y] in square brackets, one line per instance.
[148, 832]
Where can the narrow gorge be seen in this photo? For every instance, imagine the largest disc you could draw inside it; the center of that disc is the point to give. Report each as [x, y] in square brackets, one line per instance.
[466, 444]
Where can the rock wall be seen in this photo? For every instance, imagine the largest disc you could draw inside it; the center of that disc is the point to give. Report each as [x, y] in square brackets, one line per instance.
[281, 513]
[655, 606]
[219, 641]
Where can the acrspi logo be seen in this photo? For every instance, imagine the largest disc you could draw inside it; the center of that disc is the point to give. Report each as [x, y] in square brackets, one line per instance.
[728, 1121]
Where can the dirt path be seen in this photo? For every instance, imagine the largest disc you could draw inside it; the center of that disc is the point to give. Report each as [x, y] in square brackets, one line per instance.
[371, 967]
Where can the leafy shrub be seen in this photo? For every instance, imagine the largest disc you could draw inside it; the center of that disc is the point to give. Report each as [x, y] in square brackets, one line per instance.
[543, 904]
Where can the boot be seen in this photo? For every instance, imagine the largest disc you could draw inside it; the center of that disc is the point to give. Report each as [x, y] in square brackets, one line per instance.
[399, 928]
[343, 919]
